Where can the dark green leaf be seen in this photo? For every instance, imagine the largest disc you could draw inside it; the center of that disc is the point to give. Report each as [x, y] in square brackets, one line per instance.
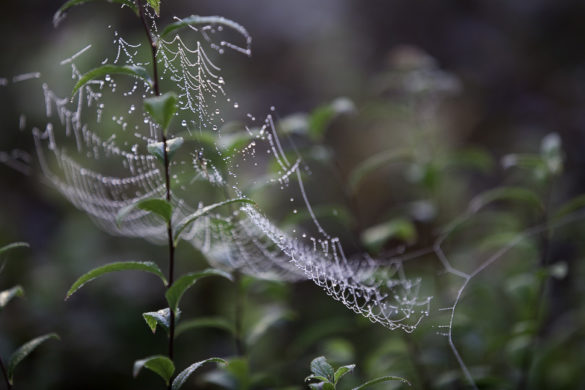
[155, 4]
[13, 245]
[185, 222]
[161, 365]
[160, 207]
[376, 161]
[7, 295]
[157, 148]
[162, 109]
[517, 194]
[146, 266]
[61, 12]
[186, 373]
[161, 318]
[176, 291]
[24, 351]
[320, 367]
[380, 380]
[341, 371]
[102, 71]
[205, 322]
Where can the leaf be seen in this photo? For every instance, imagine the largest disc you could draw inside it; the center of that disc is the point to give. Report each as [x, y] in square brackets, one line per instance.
[161, 365]
[380, 380]
[24, 351]
[162, 108]
[157, 148]
[135, 71]
[161, 318]
[155, 4]
[517, 194]
[7, 295]
[270, 318]
[186, 373]
[62, 11]
[13, 245]
[185, 222]
[376, 236]
[176, 291]
[376, 161]
[322, 116]
[341, 371]
[205, 322]
[576, 203]
[146, 266]
[160, 207]
[320, 367]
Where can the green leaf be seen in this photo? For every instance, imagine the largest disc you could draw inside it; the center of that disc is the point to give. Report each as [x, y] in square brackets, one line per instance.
[271, 317]
[62, 11]
[161, 318]
[320, 367]
[160, 207]
[195, 20]
[176, 291]
[376, 161]
[380, 380]
[518, 194]
[161, 365]
[204, 322]
[13, 245]
[322, 116]
[7, 295]
[155, 4]
[146, 266]
[162, 108]
[574, 204]
[341, 371]
[182, 377]
[185, 222]
[157, 148]
[24, 351]
[102, 71]
[399, 228]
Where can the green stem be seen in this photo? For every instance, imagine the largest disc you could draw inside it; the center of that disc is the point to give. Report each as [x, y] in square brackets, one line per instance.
[171, 245]
[5, 375]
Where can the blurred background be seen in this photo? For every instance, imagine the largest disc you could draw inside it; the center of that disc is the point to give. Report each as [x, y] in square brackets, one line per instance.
[448, 100]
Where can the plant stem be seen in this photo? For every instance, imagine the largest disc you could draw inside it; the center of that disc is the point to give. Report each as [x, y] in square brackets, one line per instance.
[5, 375]
[171, 245]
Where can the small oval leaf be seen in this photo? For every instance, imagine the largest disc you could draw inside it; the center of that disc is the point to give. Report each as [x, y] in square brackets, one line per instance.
[161, 365]
[341, 371]
[182, 377]
[162, 108]
[102, 71]
[176, 291]
[146, 266]
[160, 318]
[320, 367]
[24, 351]
[157, 148]
[160, 207]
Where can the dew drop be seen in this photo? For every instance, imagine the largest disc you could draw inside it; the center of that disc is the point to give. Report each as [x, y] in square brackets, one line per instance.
[236, 105]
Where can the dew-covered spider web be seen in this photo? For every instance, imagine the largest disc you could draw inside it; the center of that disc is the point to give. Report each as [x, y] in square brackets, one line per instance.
[93, 150]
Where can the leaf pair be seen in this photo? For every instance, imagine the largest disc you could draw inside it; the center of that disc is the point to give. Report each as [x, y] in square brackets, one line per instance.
[165, 368]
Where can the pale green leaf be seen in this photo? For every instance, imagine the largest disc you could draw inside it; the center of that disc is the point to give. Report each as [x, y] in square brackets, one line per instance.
[380, 380]
[160, 318]
[375, 162]
[341, 371]
[185, 222]
[7, 295]
[398, 228]
[176, 291]
[516, 194]
[134, 71]
[62, 11]
[24, 351]
[162, 108]
[155, 4]
[157, 148]
[146, 266]
[204, 322]
[160, 207]
[322, 116]
[574, 204]
[161, 365]
[320, 367]
[182, 377]
[271, 317]
[13, 245]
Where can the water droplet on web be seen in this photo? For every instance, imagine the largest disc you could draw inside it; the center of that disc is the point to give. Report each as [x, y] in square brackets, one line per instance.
[236, 105]
[295, 211]
[272, 108]
[184, 123]
[214, 127]
[107, 78]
